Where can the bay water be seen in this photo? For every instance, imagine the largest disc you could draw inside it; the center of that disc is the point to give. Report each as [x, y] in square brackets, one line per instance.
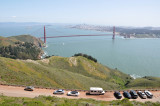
[137, 57]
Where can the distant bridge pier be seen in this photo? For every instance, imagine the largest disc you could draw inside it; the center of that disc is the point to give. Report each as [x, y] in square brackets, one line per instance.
[114, 29]
[44, 35]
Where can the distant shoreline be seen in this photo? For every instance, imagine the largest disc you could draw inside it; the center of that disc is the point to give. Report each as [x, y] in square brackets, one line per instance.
[125, 32]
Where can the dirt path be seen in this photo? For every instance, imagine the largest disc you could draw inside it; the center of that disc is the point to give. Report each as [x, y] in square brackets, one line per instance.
[19, 92]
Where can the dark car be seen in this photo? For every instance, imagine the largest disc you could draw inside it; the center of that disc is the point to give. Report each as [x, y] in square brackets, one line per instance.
[126, 95]
[117, 94]
[148, 94]
[142, 94]
[29, 88]
[133, 94]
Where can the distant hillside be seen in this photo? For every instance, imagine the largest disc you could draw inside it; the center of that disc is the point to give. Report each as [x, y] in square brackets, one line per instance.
[21, 47]
[6, 41]
[145, 82]
[60, 72]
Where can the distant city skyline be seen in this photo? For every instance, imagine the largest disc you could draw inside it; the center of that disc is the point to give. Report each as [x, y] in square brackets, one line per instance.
[101, 12]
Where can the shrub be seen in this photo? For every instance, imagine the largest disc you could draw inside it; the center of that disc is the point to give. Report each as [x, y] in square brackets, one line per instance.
[86, 56]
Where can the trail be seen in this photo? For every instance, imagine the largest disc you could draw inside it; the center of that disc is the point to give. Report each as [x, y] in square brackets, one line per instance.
[108, 96]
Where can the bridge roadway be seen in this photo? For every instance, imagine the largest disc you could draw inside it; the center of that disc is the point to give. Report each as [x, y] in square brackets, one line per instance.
[76, 36]
[16, 91]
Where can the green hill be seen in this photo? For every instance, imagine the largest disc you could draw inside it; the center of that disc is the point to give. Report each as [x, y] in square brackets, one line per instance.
[21, 47]
[6, 41]
[145, 82]
[60, 72]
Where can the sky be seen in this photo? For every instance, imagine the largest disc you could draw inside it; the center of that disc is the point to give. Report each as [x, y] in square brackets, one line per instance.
[99, 12]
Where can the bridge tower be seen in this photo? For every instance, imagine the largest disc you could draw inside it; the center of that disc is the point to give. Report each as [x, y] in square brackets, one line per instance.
[114, 29]
[44, 35]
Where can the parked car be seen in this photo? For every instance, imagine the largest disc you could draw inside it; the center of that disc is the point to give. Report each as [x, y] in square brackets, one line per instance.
[148, 94]
[59, 91]
[29, 88]
[96, 91]
[126, 95]
[73, 93]
[133, 94]
[142, 94]
[117, 94]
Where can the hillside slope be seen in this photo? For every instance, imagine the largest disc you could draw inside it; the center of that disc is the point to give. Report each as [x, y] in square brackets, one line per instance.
[60, 72]
[145, 82]
[21, 47]
[6, 41]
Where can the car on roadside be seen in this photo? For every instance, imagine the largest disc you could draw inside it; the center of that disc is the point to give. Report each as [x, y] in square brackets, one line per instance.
[133, 94]
[117, 94]
[59, 91]
[29, 88]
[148, 94]
[73, 93]
[142, 94]
[126, 94]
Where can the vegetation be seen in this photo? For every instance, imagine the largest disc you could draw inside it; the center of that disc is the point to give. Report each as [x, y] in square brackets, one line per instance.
[145, 82]
[55, 101]
[21, 51]
[21, 38]
[86, 56]
[69, 73]
[60, 72]
[21, 47]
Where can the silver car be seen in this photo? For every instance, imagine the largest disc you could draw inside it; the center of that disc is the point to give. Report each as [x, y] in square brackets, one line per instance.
[148, 94]
[73, 93]
[142, 94]
[59, 91]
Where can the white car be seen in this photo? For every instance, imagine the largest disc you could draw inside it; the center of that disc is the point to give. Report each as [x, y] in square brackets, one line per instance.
[142, 94]
[148, 94]
[73, 93]
[59, 91]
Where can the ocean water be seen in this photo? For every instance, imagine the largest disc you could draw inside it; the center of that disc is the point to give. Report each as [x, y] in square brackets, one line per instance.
[137, 57]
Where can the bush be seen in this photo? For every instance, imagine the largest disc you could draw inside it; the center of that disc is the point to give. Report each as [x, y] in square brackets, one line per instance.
[86, 56]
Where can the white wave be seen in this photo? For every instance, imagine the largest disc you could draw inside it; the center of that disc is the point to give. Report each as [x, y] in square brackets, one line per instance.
[45, 45]
[44, 54]
[134, 76]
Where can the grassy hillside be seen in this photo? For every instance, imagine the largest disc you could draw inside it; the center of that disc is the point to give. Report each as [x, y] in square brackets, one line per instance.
[21, 47]
[21, 38]
[55, 101]
[6, 41]
[145, 82]
[60, 72]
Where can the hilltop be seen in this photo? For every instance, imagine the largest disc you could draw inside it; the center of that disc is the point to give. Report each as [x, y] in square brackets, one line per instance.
[6, 41]
[21, 47]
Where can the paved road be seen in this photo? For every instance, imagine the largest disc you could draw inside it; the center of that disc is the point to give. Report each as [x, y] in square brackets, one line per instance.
[19, 92]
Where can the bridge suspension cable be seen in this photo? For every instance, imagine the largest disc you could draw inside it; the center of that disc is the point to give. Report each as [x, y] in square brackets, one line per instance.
[45, 37]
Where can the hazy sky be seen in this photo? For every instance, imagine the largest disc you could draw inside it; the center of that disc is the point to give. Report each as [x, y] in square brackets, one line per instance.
[106, 12]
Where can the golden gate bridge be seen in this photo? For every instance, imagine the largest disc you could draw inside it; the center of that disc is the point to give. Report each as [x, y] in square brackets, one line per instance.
[46, 37]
